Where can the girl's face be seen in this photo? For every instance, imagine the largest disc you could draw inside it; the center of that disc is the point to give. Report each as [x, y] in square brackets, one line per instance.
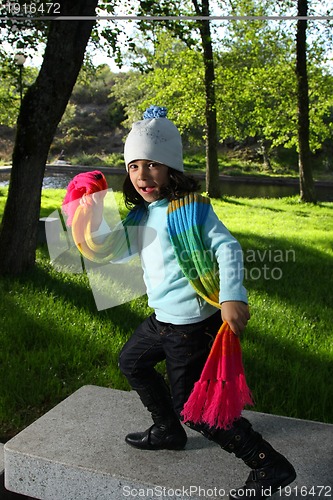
[148, 177]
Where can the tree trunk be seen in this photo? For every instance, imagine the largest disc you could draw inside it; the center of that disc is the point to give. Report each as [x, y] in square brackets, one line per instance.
[212, 168]
[307, 191]
[41, 110]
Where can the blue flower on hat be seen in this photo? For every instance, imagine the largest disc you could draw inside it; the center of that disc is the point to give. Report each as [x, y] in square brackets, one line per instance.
[155, 112]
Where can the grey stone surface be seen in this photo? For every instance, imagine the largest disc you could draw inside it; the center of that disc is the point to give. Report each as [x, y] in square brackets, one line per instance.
[4, 493]
[77, 452]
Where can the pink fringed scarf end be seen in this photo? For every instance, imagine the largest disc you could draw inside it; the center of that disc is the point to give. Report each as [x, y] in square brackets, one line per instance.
[221, 394]
[84, 183]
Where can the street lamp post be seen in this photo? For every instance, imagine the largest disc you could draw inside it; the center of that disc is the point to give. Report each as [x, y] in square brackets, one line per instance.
[20, 60]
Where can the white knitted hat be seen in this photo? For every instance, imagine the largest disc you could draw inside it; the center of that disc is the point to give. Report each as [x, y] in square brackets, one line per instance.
[155, 138]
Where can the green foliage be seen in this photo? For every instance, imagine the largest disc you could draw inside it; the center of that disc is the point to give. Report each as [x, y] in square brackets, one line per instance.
[88, 159]
[10, 89]
[128, 91]
[177, 80]
[174, 79]
[256, 91]
[183, 31]
[93, 85]
[27, 32]
[9, 98]
[67, 118]
[91, 125]
[261, 58]
[254, 65]
[321, 106]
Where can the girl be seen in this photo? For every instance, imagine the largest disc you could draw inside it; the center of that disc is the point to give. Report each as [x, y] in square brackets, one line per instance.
[183, 325]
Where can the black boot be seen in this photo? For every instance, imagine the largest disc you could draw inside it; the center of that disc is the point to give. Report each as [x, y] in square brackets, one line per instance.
[166, 433]
[270, 470]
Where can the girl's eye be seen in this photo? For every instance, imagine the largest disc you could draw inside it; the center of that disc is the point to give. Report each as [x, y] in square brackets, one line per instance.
[152, 165]
[132, 167]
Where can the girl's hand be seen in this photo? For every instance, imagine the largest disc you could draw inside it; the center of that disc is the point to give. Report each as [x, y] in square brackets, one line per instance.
[236, 314]
[95, 201]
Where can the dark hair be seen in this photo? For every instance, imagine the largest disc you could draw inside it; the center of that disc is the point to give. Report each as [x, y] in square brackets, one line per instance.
[179, 185]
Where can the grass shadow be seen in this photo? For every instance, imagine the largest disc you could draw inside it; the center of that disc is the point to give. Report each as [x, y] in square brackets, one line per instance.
[286, 378]
[244, 202]
[297, 273]
[288, 349]
[45, 357]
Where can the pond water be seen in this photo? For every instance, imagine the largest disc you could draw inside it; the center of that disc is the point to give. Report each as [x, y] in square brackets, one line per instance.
[240, 187]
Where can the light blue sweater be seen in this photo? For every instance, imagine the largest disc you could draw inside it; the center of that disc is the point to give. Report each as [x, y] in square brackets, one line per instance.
[169, 293]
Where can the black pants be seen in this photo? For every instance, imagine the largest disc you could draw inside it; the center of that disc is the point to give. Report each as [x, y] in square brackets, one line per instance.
[184, 347]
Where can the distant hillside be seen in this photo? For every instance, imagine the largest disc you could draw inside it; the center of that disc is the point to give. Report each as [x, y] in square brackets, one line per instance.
[90, 134]
[88, 131]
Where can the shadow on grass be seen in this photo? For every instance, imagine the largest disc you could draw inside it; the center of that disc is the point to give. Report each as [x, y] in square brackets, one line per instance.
[248, 202]
[242, 202]
[298, 274]
[286, 378]
[44, 358]
[288, 344]
[79, 294]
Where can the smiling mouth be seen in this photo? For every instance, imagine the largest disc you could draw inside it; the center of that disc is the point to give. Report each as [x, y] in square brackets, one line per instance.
[147, 189]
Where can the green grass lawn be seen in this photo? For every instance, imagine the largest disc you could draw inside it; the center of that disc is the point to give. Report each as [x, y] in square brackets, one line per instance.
[53, 340]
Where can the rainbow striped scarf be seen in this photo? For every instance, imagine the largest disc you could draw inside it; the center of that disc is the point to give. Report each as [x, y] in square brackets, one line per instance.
[115, 244]
[185, 220]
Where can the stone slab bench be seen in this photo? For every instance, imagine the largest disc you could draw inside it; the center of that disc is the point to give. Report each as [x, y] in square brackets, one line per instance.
[77, 451]
[4, 493]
